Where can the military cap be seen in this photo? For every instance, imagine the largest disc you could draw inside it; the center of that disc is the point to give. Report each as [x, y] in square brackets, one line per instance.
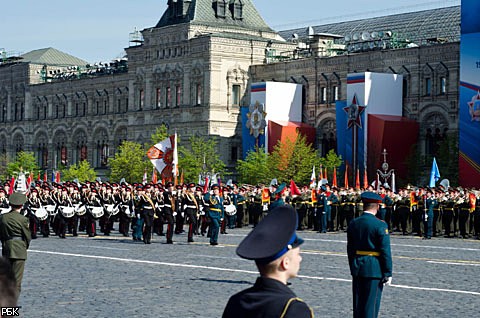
[3, 191]
[169, 184]
[17, 199]
[226, 189]
[199, 189]
[323, 188]
[179, 187]
[273, 237]
[94, 191]
[34, 190]
[147, 186]
[191, 185]
[139, 187]
[215, 186]
[128, 189]
[371, 197]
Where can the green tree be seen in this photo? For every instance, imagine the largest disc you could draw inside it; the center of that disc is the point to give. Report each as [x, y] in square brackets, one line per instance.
[330, 161]
[293, 160]
[161, 133]
[129, 163]
[25, 161]
[191, 159]
[254, 169]
[81, 171]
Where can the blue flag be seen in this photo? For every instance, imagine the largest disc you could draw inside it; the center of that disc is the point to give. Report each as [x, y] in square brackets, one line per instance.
[434, 173]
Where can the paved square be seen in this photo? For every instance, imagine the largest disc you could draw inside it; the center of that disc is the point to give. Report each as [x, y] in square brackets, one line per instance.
[115, 276]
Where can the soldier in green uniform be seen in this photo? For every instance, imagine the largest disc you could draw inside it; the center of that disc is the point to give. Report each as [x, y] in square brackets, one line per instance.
[369, 257]
[8, 288]
[15, 236]
[430, 204]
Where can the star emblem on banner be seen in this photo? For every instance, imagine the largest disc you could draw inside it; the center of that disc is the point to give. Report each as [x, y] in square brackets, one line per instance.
[354, 112]
[474, 107]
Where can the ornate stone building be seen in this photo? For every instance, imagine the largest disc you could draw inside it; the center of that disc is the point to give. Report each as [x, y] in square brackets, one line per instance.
[192, 71]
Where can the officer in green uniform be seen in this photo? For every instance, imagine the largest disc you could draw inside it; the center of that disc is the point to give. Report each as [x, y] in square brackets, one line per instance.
[430, 204]
[15, 236]
[215, 212]
[279, 200]
[274, 246]
[369, 257]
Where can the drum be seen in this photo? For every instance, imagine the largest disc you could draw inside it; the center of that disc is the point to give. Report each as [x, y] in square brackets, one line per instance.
[67, 211]
[111, 209]
[96, 211]
[126, 210]
[80, 209]
[5, 210]
[51, 209]
[41, 214]
[231, 209]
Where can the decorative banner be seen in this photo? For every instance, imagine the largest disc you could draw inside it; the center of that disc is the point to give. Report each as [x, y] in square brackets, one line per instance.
[469, 108]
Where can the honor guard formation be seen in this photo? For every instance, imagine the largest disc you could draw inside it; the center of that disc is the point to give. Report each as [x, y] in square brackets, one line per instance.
[143, 210]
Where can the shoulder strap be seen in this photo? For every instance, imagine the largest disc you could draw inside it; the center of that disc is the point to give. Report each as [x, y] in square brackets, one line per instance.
[289, 302]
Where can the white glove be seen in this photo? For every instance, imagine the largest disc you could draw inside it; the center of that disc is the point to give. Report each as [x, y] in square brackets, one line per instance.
[174, 213]
[183, 215]
[138, 216]
[387, 281]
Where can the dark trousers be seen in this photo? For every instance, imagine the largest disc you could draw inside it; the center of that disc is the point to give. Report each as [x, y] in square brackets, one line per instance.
[147, 228]
[190, 218]
[428, 225]
[463, 215]
[168, 217]
[215, 226]
[367, 294]
[447, 221]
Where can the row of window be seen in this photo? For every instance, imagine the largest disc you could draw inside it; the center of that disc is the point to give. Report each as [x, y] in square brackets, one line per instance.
[79, 153]
[441, 87]
[334, 96]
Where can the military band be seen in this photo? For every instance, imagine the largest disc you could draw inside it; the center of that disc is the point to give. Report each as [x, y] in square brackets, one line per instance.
[143, 211]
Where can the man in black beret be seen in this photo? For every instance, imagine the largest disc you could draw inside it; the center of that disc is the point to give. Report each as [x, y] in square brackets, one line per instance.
[15, 236]
[369, 257]
[274, 246]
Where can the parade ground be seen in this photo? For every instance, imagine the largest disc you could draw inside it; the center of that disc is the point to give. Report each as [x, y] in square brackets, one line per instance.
[117, 277]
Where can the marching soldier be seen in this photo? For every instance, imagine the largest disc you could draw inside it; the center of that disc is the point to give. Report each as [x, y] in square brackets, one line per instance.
[349, 204]
[168, 210]
[430, 204]
[214, 205]
[203, 219]
[190, 206]
[106, 221]
[240, 203]
[448, 212]
[126, 205]
[62, 201]
[33, 202]
[146, 208]
[180, 218]
[92, 201]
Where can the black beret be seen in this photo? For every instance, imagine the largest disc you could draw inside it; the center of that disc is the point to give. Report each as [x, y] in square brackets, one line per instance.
[273, 237]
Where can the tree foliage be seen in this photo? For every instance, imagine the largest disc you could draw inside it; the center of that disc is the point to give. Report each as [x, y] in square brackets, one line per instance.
[81, 171]
[25, 161]
[254, 169]
[129, 163]
[293, 160]
[191, 159]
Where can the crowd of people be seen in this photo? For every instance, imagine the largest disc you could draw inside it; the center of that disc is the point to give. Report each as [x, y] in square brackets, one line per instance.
[142, 210]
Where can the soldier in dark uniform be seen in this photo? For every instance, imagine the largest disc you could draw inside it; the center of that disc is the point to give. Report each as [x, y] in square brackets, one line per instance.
[256, 205]
[62, 201]
[321, 212]
[146, 208]
[369, 257]
[215, 212]
[203, 221]
[240, 202]
[274, 246]
[169, 210]
[190, 206]
[180, 217]
[448, 211]
[126, 209]
[430, 204]
[348, 202]
[92, 200]
[33, 203]
[15, 236]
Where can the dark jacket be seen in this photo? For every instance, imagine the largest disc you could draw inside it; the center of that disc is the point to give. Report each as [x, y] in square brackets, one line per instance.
[268, 298]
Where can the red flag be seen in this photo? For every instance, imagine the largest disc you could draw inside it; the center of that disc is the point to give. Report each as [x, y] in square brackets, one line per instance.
[365, 179]
[334, 181]
[314, 196]
[346, 177]
[45, 177]
[206, 185]
[265, 195]
[57, 177]
[29, 180]
[154, 176]
[12, 185]
[181, 178]
[294, 189]
[357, 179]
[320, 175]
[326, 176]
[38, 178]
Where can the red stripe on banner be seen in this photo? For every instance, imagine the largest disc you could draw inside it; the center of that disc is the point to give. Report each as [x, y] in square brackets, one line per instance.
[356, 81]
[470, 86]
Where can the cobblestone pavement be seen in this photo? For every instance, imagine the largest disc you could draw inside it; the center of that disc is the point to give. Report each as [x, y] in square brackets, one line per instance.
[116, 277]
